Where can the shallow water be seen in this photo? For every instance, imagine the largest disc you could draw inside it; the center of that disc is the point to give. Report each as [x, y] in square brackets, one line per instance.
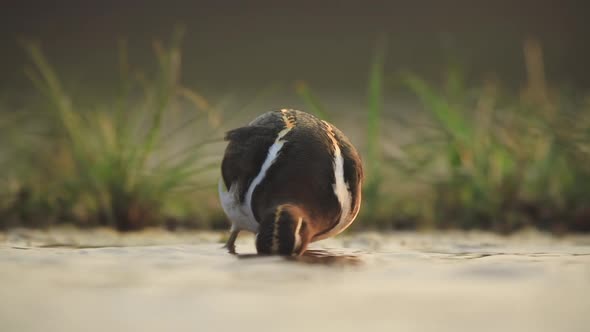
[65, 280]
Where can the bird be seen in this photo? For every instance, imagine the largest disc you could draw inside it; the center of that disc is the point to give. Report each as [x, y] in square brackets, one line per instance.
[290, 178]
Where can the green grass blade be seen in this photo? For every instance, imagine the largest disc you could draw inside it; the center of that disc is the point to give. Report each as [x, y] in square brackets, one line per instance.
[314, 105]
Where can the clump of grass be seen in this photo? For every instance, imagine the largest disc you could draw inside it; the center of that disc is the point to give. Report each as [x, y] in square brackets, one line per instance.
[502, 162]
[116, 163]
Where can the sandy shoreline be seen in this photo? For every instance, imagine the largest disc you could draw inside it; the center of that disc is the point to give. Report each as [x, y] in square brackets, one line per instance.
[154, 281]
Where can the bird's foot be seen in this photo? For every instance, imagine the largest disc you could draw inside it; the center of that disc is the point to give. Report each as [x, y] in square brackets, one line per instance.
[230, 248]
[230, 245]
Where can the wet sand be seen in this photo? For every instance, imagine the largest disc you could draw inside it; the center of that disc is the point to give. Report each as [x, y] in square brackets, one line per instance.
[67, 280]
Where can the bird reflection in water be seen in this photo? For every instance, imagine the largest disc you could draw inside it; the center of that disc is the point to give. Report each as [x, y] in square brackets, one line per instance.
[317, 257]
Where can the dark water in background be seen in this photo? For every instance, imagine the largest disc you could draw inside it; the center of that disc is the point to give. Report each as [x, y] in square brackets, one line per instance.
[240, 47]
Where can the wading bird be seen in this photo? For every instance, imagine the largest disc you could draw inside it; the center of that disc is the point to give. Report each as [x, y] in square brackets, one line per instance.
[291, 179]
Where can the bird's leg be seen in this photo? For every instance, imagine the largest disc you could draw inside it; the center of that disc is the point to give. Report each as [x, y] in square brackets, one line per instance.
[230, 245]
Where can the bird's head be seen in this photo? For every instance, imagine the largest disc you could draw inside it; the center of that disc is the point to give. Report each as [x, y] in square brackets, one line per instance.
[284, 231]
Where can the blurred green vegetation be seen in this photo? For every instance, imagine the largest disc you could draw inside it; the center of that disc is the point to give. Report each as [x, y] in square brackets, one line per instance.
[476, 156]
[113, 163]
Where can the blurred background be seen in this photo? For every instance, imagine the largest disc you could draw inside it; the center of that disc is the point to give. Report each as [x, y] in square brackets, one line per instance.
[467, 115]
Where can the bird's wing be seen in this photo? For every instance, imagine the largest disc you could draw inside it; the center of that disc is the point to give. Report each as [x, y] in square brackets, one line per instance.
[247, 149]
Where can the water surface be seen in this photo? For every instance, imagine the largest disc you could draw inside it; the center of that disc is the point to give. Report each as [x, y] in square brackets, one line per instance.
[154, 281]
